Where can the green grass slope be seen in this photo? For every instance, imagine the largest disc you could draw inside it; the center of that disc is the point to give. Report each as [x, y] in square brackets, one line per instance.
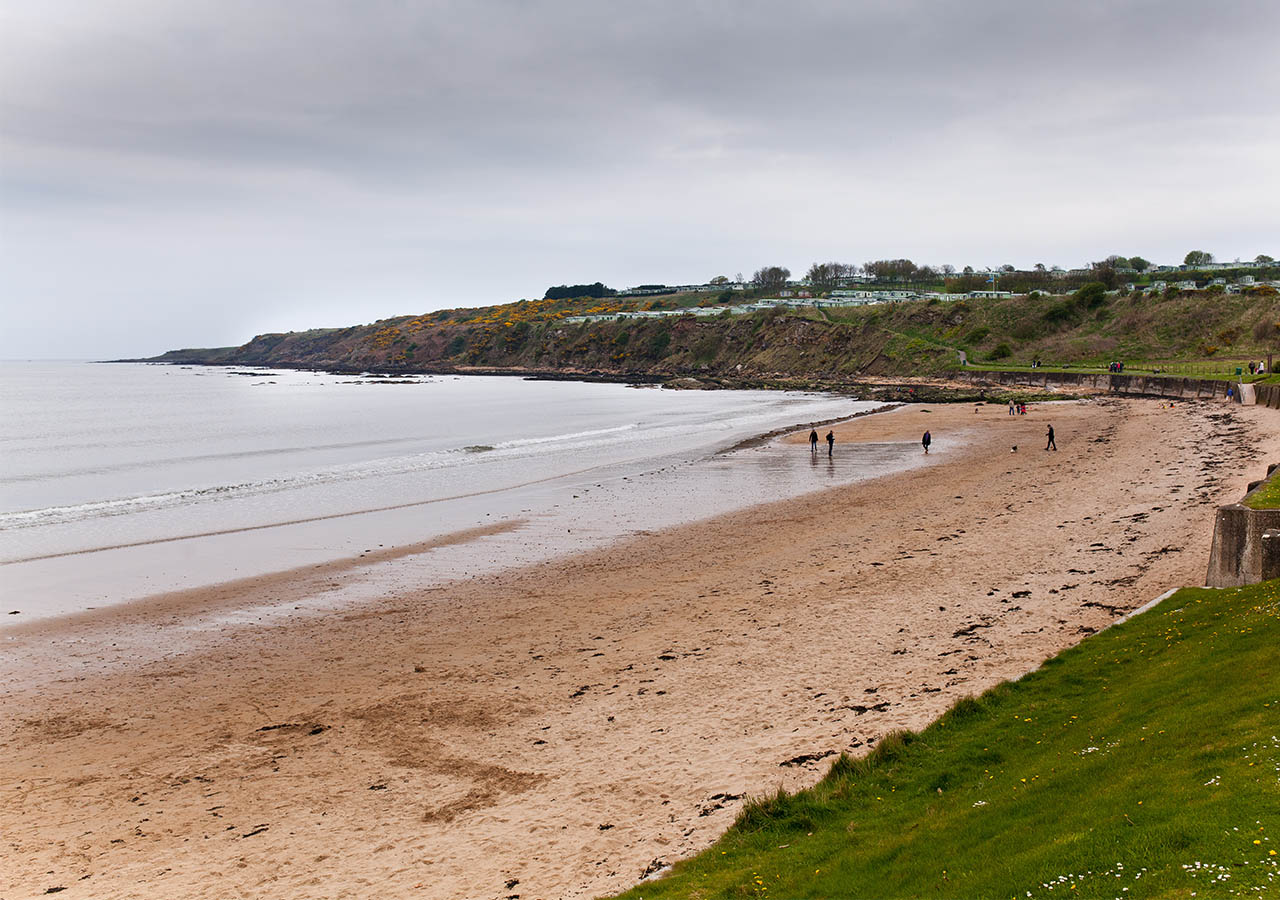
[1144, 762]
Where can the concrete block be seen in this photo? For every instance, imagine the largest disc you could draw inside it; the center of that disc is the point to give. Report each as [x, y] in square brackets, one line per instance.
[1269, 556]
[1239, 554]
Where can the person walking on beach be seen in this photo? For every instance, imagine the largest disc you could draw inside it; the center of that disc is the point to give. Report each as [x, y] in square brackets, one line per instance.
[1010, 407]
[831, 442]
[926, 441]
[813, 441]
[1051, 445]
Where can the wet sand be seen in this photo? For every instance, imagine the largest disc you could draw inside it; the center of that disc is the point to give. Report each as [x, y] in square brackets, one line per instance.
[557, 730]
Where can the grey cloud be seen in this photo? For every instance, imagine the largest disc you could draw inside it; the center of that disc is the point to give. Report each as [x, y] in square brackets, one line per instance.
[304, 148]
[348, 86]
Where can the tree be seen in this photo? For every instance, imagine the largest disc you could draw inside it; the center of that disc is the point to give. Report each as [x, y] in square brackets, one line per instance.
[566, 291]
[948, 269]
[896, 269]
[1139, 263]
[771, 278]
[825, 276]
[1007, 268]
[968, 270]
[1105, 272]
[719, 279]
[1198, 258]
[1040, 267]
[1263, 259]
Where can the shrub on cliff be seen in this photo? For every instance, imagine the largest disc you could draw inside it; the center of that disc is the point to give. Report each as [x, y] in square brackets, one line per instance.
[1091, 295]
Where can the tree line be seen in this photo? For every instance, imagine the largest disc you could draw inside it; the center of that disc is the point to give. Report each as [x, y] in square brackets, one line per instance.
[828, 276]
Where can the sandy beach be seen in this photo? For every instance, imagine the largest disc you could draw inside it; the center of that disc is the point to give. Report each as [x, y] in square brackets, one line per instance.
[562, 729]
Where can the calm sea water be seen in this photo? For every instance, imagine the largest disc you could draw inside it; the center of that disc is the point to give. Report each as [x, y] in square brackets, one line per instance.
[121, 481]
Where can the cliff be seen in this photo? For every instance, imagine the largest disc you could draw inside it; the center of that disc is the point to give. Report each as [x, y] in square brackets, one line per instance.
[833, 345]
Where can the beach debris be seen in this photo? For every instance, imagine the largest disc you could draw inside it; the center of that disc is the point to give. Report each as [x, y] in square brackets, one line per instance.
[257, 830]
[15, 612]
[859, 709]
[54, 890]
[377, 787]
[717, 801]
[606, 826]
[580, 691]
[311, 729]
[655, 868]
[968, 630]
[806, 758]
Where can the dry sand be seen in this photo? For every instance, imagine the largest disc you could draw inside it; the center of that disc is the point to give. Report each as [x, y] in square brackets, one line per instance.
[558, 730]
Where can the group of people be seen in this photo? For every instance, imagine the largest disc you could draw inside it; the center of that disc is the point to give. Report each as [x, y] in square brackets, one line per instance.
[813, 442]
[1115, 367]
[927, 438]
[1258, 368]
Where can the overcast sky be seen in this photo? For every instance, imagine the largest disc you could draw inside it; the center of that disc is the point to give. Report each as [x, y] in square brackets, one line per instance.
[178, 173]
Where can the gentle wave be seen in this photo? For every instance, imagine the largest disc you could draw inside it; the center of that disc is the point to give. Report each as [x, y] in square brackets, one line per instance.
[391, 466]
[199, 457]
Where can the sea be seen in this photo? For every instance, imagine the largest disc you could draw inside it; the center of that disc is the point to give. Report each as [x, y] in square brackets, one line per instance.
[124, 481]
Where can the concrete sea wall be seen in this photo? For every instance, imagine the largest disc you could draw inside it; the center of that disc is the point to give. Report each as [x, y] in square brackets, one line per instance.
[1267, 395]
[1246, 544]
[1133, 385]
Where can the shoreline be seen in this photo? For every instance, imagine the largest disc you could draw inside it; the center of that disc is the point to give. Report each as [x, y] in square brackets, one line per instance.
[873, 388]
[568, 724]
[599, 496]
[206, 607]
